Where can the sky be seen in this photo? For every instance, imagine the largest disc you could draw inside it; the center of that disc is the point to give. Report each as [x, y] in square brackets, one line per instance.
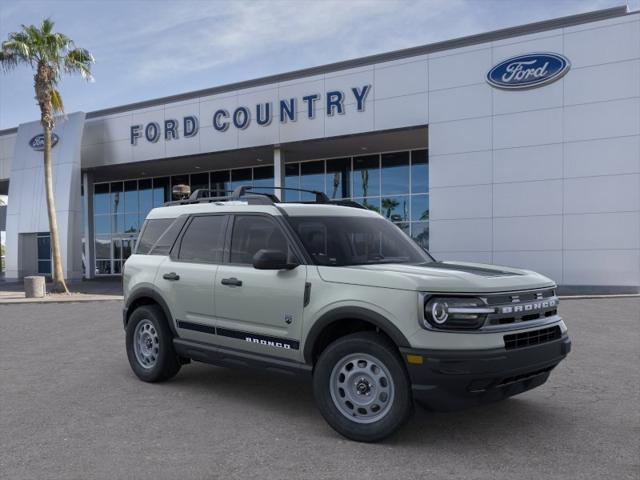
[152, 48]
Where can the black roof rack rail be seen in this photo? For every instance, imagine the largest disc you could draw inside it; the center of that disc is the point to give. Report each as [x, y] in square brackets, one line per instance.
[321, 197]
[247, 193]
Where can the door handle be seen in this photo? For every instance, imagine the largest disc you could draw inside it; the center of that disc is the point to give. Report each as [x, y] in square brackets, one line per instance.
[231, 282]
[171, 276]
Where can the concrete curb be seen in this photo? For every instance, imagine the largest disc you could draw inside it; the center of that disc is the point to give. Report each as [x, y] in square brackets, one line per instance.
[61, 299]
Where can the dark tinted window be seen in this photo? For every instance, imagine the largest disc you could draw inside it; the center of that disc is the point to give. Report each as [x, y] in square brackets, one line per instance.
[253, 233]
[203, 240]
[344, 241]
[151, 233]
[168, 238]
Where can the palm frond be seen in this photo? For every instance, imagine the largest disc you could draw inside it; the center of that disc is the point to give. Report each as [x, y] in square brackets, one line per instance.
[56, 101]
[79, 60]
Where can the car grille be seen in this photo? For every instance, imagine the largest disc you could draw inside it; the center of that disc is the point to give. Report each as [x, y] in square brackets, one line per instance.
[533, 301]
[534, 337]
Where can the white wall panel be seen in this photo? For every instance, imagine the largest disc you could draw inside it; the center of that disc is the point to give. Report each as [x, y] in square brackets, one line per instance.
[118, 127]
[474, 257]
[460, 69]
[461, 235]
[602, 267]
[542, 162]
[528, 233]
[602, 120]
[460, 103]
[527, 128]
[507, 101]
[460, 202]
[303, 129]
[548, 263]
[460, 136]
[602, 231]
[602, 82]
[471, 168]
[407, 111]
[613, 193]
[527, 198]
[549, 41]
[351, 122]
[403, 79]
[609, 156]
[603, 45]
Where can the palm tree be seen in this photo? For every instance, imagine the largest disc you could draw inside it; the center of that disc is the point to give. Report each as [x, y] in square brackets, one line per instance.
[50, 55]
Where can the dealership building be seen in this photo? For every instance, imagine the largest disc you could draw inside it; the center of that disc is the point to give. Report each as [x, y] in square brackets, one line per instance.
[516, 147]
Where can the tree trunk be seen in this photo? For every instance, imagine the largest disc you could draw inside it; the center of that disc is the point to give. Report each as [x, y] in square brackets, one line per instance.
[43, 95]
[59, 284]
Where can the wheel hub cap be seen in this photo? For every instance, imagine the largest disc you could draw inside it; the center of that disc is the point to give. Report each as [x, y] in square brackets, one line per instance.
[146, 344]
[361, 388]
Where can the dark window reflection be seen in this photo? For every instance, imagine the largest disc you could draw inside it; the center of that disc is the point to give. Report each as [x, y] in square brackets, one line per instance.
[419, 207]
[395, 173]
[145, 195]
[338, 181]
[131, 203]
[420, 233]
[419, 171]
[199, 181]
[220, 183]
[101, 198]
[240, 177]
[291, 180]
[161, 191]
[311, 178]
[263, 177]
[366, 176]
[395, 209]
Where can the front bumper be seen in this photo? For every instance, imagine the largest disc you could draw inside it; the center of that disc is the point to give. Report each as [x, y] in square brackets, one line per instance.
[455, 379]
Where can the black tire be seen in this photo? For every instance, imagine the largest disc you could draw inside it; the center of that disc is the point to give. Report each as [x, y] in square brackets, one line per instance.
[166, 363]
[400, 406]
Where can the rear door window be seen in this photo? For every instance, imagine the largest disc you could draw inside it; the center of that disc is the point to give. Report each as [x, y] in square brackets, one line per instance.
[203, 240]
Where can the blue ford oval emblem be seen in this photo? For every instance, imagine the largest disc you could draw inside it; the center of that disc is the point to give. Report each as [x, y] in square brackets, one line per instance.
[528, 71]
[37, 142]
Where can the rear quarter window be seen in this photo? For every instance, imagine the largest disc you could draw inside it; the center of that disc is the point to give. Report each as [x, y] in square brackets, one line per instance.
[153, 231]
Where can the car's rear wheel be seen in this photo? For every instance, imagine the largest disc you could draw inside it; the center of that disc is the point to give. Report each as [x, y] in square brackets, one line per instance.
[362, 388]
[150, 345]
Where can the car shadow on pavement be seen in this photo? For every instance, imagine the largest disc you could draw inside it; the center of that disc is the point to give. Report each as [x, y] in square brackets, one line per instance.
[266, 393]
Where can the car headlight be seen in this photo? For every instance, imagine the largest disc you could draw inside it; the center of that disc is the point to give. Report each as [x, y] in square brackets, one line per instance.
[453, 313]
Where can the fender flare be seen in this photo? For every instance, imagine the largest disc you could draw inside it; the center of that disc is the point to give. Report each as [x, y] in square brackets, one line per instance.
[148, 292]
[355, 313]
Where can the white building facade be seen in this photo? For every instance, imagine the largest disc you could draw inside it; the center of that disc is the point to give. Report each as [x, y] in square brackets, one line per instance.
[517, 147]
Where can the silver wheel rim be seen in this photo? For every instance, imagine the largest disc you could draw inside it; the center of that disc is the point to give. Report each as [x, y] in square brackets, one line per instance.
[362, 388]
[146, 344]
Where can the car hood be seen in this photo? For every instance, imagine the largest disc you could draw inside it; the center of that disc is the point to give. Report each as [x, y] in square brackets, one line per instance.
[444, 277]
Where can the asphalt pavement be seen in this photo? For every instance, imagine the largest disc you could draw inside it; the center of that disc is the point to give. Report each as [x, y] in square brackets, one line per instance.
[70, 408]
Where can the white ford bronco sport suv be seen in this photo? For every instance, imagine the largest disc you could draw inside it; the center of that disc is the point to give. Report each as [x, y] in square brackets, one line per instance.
[336, 292]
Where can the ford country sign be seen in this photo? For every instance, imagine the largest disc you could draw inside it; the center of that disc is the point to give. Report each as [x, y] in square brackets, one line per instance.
[528, 71]
[37, 142]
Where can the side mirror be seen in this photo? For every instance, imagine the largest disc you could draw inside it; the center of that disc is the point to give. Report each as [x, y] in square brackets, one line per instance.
[272, 260]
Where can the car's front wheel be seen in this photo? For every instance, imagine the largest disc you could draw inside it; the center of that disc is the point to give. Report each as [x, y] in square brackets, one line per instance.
[362, 388]
[150, 345]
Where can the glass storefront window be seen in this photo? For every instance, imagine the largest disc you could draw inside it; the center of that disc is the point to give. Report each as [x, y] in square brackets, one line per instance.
[199, 181]
[311, 178]
[161, 191]
[395, 208]
[420, 233]
[419, 171]
[220, 183]
[291, 180]
[239, 177]
[393, 184]
[145, 196]
[419, 207]
[263, 177]
[131, 203]
[366, 176]
[338, 181]
[101, 198]
[395, 173]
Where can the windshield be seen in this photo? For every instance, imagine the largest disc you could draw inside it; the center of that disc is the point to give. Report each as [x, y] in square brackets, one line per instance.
[343, 241]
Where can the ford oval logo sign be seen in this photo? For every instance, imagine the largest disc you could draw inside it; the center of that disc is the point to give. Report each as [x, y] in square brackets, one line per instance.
[528, 71]
[37, 142]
